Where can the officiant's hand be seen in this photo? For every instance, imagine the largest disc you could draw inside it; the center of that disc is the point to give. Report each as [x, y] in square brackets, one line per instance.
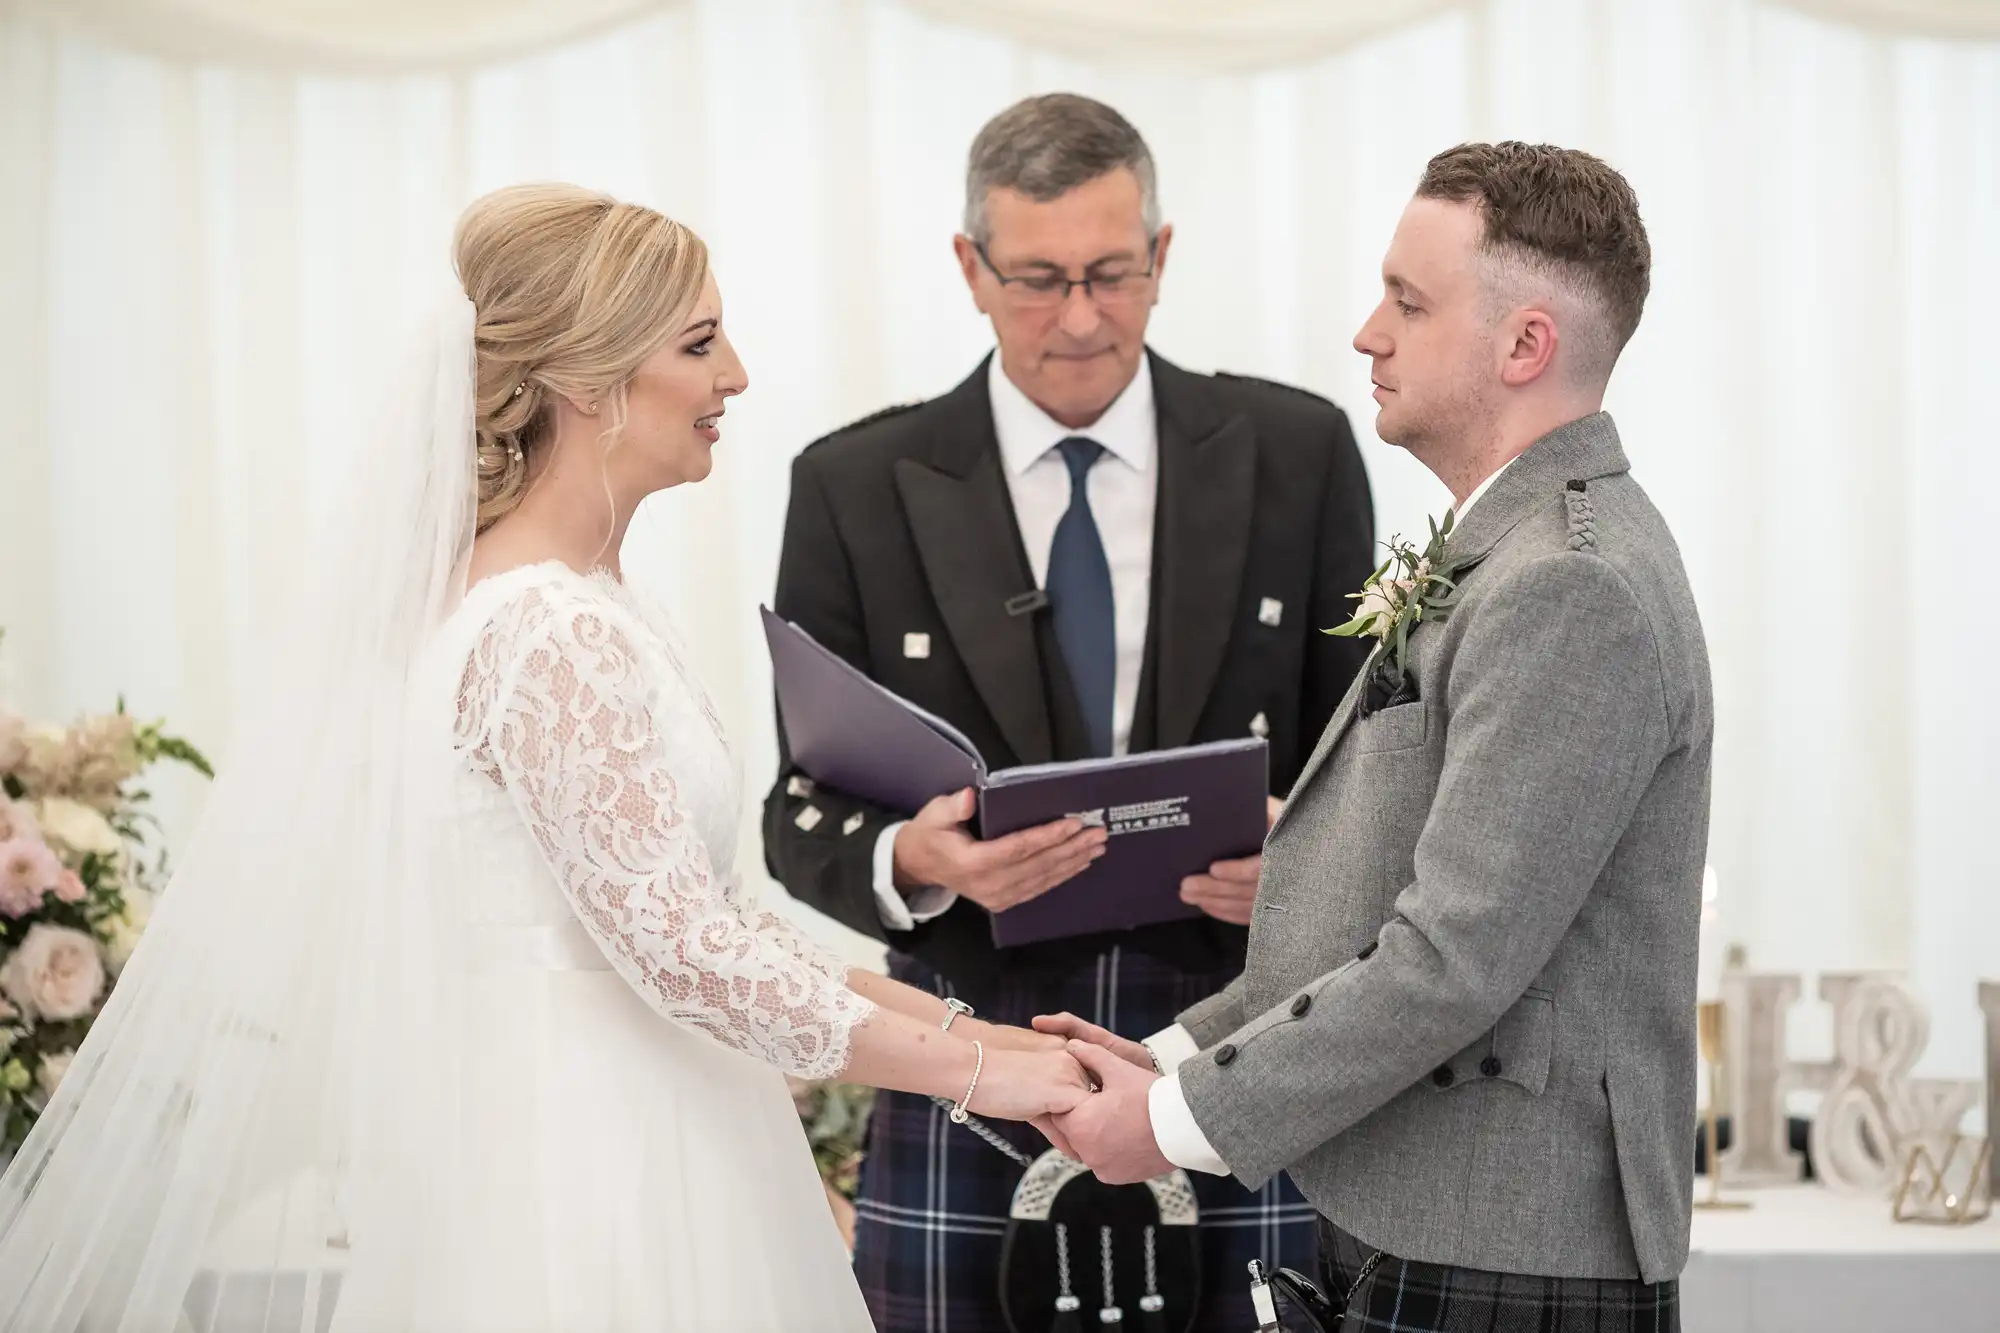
[934, 848]
[1025, 1085]
[1068, 1027]
[1228, 892]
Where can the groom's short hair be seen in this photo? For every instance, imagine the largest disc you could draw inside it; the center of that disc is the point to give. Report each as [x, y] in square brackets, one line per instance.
[1564, 216]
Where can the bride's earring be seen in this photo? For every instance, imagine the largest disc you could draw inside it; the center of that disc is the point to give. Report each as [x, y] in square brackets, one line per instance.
[514, 451]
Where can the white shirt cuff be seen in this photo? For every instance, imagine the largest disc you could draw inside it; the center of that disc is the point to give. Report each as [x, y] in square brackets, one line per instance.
[1180, 1138]
[1170, 1046]
[896, 911]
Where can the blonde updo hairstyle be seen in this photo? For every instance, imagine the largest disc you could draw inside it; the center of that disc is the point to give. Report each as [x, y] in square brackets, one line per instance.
[573, 291]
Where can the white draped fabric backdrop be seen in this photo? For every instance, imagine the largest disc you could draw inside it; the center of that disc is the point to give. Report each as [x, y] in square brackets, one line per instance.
[209, 227]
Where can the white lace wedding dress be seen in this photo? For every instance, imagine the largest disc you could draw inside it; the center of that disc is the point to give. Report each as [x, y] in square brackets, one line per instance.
[452, 1018]
[634, 1017]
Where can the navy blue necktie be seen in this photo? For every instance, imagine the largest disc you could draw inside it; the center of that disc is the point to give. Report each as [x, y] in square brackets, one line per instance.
[1079, 588]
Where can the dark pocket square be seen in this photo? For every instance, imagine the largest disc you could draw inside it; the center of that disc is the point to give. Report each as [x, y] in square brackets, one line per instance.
[1385, 689]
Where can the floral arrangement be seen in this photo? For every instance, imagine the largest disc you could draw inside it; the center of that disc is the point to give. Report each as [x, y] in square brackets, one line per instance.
[1409, 588]
[78, 877]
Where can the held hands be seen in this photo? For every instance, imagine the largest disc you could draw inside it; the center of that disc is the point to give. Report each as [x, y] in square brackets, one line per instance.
[1089, 1103]
[1228, 892]
[1111, 1130]
[1064, 1028]
[934, 848]
[1089, 1096]
[1029, 1085]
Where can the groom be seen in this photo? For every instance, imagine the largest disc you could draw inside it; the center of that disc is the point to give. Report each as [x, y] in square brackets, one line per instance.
[1465, 1026]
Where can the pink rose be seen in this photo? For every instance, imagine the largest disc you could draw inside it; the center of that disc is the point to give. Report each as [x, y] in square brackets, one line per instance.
[55, 974]
[70, 888]
[17, 821]
[28, 869]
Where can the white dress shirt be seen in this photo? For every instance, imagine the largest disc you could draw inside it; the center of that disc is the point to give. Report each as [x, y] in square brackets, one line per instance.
[1124, 489]
[1174, 1129]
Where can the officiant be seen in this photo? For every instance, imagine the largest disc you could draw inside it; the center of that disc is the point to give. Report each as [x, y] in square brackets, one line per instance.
[1189, 536]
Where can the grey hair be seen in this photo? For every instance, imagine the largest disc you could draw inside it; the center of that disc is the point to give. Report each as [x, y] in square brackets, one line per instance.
[1046, 146]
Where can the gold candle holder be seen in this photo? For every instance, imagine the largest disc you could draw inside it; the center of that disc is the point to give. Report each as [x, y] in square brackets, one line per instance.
[1933, 1191]
[1711, 1035]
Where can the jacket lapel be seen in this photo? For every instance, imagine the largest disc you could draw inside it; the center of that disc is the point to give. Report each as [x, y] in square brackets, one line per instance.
[1336, 727]
[1584, 450]
[1208, 473]
[962, 519]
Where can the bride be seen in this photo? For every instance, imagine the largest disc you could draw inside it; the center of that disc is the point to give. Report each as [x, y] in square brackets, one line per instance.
[454, 1016]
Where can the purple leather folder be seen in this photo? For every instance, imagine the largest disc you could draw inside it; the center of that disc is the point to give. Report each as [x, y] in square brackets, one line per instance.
[1171, 813]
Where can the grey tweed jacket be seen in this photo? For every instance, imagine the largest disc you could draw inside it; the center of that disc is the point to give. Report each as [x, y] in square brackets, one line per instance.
[1466, 1024]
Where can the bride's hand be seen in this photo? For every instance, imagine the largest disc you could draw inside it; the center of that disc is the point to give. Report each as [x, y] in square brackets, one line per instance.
[1021, 1085]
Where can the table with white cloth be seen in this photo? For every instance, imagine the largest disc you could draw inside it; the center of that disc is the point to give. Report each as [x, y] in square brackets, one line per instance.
[1808, 1259]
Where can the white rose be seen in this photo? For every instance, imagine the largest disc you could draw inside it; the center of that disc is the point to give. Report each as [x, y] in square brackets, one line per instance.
[1378, 611]
[77, 826]
[122, 932]
[55, 973]
[54, 1067]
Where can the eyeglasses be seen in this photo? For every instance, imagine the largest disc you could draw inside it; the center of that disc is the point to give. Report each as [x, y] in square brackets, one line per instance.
[1044, 291]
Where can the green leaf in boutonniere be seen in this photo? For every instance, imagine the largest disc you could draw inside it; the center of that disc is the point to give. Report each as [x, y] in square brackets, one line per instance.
[1409, 588]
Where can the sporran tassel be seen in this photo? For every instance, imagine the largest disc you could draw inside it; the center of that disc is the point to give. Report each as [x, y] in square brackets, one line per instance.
[1152, 1306]
[1068, 1317]
[1110, 1313]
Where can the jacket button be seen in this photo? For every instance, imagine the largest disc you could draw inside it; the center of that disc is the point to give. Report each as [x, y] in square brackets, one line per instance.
[1442, 1076]
[1224, 1054]
[1490, 1066]
[1300, 1005]
[1367, 952]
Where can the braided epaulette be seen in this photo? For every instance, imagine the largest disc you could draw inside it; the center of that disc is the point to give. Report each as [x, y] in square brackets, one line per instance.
[1582, 518]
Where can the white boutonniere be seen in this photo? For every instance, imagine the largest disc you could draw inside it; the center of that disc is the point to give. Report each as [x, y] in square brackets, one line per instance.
[1408, 589]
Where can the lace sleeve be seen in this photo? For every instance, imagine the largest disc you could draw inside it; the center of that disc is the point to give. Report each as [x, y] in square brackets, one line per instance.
[569, 733]
[783, 932]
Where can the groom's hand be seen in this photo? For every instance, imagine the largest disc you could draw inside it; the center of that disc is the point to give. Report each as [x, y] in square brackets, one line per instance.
[1228, 892]
[1111, 1131]
[1071, 1028]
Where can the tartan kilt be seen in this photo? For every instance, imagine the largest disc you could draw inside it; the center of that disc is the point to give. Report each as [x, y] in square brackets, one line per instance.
[1412, 1297]
[933, 1199]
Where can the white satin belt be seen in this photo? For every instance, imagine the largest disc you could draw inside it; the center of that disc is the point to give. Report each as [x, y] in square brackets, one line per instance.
[566, 947]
